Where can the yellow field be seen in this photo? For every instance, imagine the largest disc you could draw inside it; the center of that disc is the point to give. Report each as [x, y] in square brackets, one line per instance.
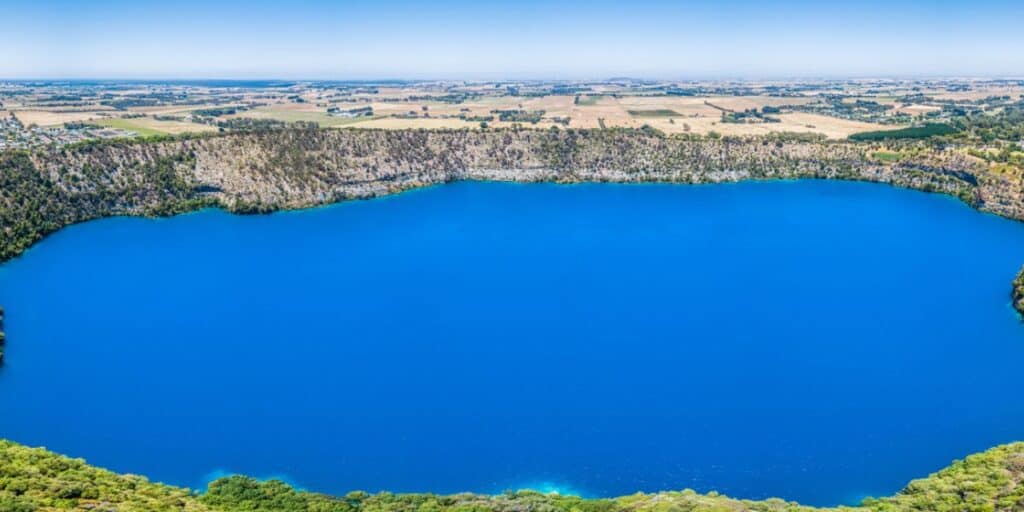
[146, 126]
[981, 93]
[172, 127]
[695, 115]
[393, 109]
[52, 118]
[127, 124]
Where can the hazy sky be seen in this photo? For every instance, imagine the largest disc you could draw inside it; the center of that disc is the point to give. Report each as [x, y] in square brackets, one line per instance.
[525, 38]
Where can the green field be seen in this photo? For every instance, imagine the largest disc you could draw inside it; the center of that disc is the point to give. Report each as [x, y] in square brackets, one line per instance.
[127, 124]
[914, 132]
[588, 101]
[661, 112]
[886, 156]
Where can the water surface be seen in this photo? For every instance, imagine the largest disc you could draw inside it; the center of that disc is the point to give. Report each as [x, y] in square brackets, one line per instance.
[819, 341]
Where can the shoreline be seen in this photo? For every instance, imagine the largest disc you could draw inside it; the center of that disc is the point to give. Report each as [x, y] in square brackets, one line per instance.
[228, 209]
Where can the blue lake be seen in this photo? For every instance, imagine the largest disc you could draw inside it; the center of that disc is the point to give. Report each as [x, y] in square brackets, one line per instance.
[818, 341]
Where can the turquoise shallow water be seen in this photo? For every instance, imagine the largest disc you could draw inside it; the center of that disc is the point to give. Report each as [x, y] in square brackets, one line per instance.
[819, 341]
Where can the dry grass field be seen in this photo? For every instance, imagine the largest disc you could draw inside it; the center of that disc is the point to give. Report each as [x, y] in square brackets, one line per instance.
[52, 118]
[170, 127]
[148, 126]
[805, 107]
[671, 114]
[831, 127]
[979, 93]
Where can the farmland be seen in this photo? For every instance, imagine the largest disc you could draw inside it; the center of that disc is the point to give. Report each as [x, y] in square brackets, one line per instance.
[830, 109]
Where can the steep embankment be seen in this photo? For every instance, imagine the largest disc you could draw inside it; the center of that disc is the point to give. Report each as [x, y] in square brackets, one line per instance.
[263, 171]
[34, 479]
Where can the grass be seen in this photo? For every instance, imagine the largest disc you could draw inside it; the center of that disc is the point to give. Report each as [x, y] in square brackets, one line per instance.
[661, 112]
[914, 132]
[127, 124]
[886, 156]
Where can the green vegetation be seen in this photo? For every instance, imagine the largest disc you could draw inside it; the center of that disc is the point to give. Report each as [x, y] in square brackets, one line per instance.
[1017, 295]
[33, 479]
[248, 124]
[477, 119]
[915, 132]
[751, 115]
[839, 105]
[33, 203]
[805, 137]
[995, 138]
[218, 112]
[587, 101]
[519, 116]
[988, 481]
[886, 156]
[1006, 125]
[661, 112]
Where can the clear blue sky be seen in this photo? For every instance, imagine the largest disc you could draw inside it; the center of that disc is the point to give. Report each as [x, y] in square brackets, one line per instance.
[526, 38]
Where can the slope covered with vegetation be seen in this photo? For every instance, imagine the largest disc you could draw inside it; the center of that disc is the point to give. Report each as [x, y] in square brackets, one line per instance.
[298, 167]
[33, 479]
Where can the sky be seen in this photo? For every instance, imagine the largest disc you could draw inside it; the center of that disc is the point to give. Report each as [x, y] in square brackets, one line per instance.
[440, 39]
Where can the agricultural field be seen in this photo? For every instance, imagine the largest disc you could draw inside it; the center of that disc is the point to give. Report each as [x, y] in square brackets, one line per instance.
[661, 112]
[52, 117]
[147, 126]
[833, 109]
[291, 114]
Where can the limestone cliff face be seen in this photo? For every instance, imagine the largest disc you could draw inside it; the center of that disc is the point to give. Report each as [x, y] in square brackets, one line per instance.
[293, 168]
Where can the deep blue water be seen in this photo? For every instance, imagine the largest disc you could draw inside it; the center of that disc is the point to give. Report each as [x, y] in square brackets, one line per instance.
[818, 341]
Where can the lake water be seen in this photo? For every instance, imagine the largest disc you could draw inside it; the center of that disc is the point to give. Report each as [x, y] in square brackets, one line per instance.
[818, 341]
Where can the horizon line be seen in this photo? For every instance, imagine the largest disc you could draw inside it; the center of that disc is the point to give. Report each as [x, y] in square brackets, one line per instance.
[524, 78]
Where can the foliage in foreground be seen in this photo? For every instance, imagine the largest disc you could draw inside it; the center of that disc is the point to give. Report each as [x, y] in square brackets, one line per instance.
[33, 479]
